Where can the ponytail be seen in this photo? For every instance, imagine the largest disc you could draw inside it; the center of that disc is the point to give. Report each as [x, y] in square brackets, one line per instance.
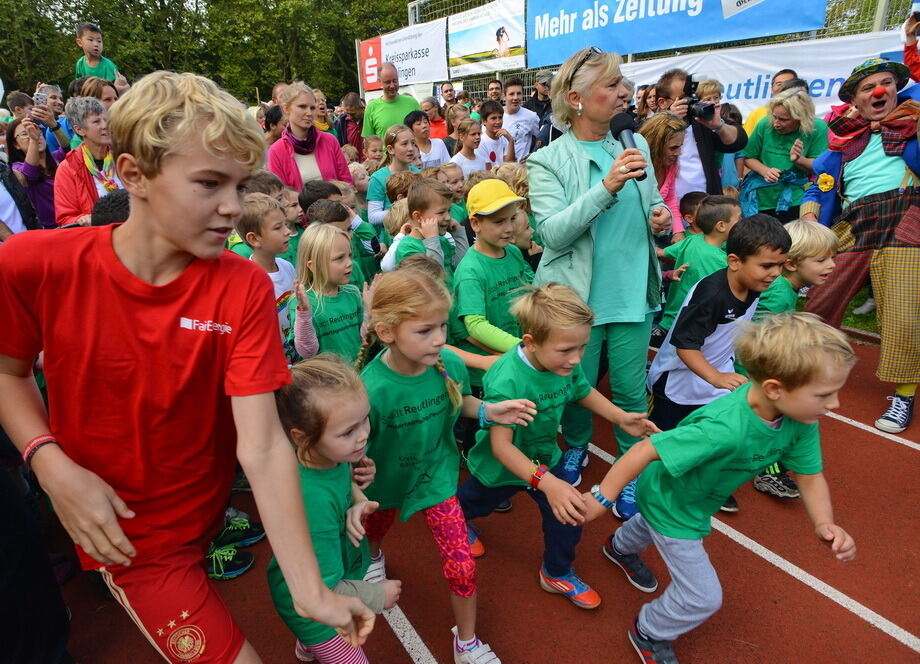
[453, 388]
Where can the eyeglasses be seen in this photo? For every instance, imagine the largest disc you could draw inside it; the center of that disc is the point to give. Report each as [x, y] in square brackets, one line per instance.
[594, 50]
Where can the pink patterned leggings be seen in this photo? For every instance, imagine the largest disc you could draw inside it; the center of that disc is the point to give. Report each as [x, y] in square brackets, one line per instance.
[447, 525]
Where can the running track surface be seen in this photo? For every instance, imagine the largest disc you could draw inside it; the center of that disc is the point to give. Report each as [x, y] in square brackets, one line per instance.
[770, 613]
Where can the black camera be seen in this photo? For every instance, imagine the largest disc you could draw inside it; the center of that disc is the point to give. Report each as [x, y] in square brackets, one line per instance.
[696, 108]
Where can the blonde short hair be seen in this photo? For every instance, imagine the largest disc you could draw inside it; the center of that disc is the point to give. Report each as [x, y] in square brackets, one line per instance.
[152, 119]
[709, 87]
[548, 307]
[397, 216]
[810, 239]
[255, 207]
[794, 348]
[800, 106]
[590, 69]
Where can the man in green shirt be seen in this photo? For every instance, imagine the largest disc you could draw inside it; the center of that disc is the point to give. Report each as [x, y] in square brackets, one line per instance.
[390, 109]
[797, 365]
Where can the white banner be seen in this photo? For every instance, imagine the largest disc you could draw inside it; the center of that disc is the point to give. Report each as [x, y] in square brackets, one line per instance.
[419, 53]
[746, 72]
[487, 38]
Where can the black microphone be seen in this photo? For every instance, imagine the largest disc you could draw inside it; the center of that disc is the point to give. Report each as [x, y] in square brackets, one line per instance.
[622, 126]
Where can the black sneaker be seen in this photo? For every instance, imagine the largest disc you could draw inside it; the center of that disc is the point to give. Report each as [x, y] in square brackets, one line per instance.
[730, 505]
[504, 506]
[637, 573]
[776, 484]
[227, 562]
[651, 651]
[238, 531]
[658, 335]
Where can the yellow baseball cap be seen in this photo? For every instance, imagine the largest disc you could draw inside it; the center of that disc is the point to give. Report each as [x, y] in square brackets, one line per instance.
[490, 196]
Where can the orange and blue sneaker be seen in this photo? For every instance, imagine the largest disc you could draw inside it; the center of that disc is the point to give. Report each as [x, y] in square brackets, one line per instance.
[477, 548]
[569, 584]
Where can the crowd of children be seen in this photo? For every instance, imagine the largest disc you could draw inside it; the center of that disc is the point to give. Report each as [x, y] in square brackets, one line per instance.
[403, 300]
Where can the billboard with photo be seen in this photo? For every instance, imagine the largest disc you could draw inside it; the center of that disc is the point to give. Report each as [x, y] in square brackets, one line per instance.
[485, 39]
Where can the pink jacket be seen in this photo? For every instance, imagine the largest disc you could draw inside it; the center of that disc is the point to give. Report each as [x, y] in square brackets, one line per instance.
[329, 159]
[668, 192]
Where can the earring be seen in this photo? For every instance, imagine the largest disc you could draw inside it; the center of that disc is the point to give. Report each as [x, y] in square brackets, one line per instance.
[579, 108]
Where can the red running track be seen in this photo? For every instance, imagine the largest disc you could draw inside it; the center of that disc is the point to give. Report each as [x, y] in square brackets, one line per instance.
[768, 617]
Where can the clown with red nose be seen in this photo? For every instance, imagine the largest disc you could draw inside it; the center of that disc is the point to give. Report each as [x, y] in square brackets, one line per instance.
[867, 189]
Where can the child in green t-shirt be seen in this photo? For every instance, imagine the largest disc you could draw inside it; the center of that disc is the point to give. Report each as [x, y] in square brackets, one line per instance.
[417, 391]
[544, 369]
[798, 365]
[715, 217]
[429, 208]
[324, 412]
[330, 311]
[367, 249]
[451, 175]
[809, 263]
[93, 63]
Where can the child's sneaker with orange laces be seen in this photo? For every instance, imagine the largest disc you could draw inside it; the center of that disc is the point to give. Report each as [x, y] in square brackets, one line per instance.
[577, 591]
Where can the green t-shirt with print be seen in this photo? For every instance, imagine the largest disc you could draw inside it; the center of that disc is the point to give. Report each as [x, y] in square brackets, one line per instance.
[412, 435]
[703, 259]
[326, 496]
[368, 262]
[412, 245]
[513, 378]
[337, 321]
[485, 286]
[779, 298]
[106, 69]
[772, 148]
[712, 452]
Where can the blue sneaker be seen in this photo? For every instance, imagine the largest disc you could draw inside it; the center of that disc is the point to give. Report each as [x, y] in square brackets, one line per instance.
[898, 416]
[570, 584]
[625, 506]
[574, 459]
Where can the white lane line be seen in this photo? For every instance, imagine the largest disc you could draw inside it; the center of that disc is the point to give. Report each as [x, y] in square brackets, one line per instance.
[407, 635]
[865, 427]
[847, 602]
[850, 604]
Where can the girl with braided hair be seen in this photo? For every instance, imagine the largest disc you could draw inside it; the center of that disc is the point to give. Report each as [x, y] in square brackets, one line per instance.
[417, 390]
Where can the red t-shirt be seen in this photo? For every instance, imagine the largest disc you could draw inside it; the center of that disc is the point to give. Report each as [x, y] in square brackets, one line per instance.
[140, 376]
[438, 128]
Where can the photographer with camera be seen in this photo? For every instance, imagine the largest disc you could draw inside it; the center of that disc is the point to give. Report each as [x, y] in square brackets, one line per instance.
[709, 133]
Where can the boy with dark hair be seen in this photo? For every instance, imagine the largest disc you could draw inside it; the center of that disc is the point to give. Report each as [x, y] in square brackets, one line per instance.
[689, 204]
[113, 208]
[798, 366]
[496, 145]
[314, 190]
[19, 103]
[261, 182]
[93, 63]
[696, 362]
[173, 330]
[521, 123]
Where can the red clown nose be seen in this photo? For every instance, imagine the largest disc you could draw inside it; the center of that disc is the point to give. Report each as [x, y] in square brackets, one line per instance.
[879, 91]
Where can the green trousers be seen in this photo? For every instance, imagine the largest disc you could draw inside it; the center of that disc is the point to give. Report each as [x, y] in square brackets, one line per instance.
[627, 355]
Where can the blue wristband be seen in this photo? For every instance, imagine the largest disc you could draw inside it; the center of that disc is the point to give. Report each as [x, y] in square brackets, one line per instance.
[483, 420]
[601, 498]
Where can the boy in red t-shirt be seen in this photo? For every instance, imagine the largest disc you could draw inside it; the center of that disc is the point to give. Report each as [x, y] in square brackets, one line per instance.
[161, 369]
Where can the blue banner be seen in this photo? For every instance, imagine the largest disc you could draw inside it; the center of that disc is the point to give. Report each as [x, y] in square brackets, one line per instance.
[640, 26]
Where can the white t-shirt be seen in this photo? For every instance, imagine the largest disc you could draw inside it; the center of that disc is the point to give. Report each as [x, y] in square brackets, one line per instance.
[468, 165]
[690, 175]
[283, 281]
[492, 150]
[307, 166]
[9, 213]
[437, 155]
[524, 126]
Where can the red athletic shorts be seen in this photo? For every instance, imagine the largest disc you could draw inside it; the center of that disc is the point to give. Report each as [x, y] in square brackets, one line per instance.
[176, 607]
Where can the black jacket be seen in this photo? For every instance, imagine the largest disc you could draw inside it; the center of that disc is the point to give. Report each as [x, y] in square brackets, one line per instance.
[541, 108]
[707, 144]
[18, 194]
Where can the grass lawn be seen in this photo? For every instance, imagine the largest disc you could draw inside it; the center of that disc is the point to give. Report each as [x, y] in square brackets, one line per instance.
[865, 322]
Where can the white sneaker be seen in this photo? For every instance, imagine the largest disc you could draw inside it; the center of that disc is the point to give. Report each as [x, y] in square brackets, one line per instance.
[866, 307]
[376, 571]
[480, 654]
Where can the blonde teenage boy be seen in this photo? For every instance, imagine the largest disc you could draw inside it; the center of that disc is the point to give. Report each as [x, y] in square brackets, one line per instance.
[798, 365]
[161, 372]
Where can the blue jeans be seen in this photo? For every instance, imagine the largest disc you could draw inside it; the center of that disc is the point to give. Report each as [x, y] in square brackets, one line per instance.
[559, 539]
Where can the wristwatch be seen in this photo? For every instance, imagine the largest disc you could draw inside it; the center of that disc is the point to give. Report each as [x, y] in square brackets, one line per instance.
[601, 498]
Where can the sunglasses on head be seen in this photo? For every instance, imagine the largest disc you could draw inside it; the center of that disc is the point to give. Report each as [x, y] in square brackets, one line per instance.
[594, 50]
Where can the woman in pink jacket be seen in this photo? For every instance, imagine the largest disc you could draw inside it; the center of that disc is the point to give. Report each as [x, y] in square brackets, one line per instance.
[665, 135]
[304, 153]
